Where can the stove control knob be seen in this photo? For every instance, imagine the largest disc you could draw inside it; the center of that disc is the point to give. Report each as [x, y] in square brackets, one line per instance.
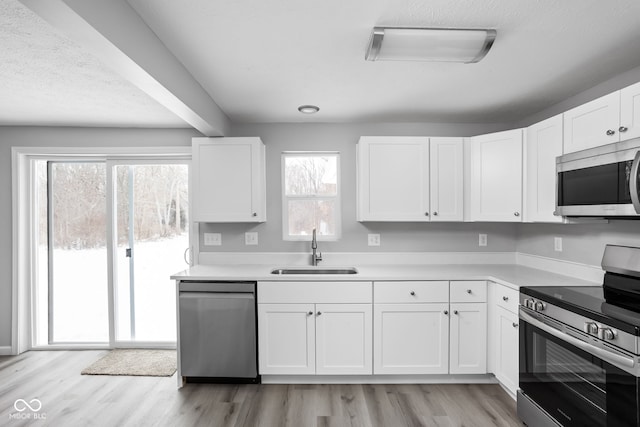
[608, 334]
[529, 303]
[591, 328]
[539, 306]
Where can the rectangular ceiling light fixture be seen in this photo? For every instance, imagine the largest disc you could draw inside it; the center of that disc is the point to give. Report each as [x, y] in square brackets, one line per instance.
[429, 44]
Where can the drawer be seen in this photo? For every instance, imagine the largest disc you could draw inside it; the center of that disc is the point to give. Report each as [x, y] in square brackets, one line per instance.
[314, 292]
[411, 292]
[468, 291]
[506, 298]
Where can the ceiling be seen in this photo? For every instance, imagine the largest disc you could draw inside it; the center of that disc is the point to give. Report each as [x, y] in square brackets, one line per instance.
[260, 59]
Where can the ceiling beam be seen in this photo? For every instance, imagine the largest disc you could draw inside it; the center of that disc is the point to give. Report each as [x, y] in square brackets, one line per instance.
[115, 34]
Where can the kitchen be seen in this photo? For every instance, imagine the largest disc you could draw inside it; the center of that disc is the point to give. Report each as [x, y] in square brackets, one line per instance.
[582, 244]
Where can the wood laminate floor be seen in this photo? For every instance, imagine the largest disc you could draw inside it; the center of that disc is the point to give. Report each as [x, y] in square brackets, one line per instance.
[71, 399]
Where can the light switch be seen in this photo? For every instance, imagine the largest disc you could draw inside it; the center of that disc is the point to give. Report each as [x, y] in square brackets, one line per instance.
[212, 239]
[251, 238]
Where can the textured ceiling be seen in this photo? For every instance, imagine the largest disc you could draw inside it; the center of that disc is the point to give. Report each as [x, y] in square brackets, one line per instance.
[48, 79]
[261, 59]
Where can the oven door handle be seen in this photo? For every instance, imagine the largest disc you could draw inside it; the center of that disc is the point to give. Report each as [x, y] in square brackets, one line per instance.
[633, 183]
[612, 358]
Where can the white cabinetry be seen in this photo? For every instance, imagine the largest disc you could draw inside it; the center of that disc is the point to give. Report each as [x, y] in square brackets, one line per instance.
[405, 178]
[611, 118]
[543, 144]
[308, 328]
[411, 327]
[496, 176]
[446, 169]
[228, 180]
[504, 335]
[468, 328]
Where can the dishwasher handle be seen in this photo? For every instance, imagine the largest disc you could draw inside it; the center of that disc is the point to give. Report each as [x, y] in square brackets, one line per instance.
[215, 287]
[216, 295]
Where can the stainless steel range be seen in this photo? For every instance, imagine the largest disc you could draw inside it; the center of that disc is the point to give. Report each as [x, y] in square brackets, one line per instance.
[580, 349]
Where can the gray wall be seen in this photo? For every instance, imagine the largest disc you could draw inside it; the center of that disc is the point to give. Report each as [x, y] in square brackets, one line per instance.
[59, 137]
[394, 237]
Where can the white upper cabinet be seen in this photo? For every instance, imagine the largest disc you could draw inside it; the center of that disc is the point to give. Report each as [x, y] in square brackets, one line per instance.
[393, 178]
[446, 178]
[592, 124]
[630, 112]
[611, 118]
[543, 144]
[496, 177]
[228, 180]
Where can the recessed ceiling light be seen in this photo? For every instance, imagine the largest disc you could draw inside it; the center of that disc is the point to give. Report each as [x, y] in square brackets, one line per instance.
[308, 109]
[429, 44]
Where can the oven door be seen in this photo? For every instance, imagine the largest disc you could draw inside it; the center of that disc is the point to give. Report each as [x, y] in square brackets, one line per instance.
[571, 385]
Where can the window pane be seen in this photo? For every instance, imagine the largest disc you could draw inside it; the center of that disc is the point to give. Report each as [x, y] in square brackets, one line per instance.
[305, 215]
[311, 175]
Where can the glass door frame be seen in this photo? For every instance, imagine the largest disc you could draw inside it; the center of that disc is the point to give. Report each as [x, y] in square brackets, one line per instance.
[112, 244]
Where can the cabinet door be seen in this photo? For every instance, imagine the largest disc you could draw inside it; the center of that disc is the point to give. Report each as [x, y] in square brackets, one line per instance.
[393, 179]
[592, 124]
[543, 145]
[506, 352]
[411, 338]
[228, 180]
[630, 112]
[344, 339]
[286, 339]
[496, 177]
[468, 337]
[447, 178]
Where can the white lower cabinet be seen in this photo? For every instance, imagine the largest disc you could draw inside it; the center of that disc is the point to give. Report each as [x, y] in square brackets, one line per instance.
[504, 335]
[468, 336]
[411, 338]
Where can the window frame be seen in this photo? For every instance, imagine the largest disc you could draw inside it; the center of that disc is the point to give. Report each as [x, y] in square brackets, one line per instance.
[286, 198]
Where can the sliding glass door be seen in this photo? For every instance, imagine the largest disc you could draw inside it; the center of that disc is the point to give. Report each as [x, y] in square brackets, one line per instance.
[109, 234]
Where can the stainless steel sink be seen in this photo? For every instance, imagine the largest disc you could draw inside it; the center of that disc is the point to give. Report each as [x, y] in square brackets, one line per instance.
[310, 270]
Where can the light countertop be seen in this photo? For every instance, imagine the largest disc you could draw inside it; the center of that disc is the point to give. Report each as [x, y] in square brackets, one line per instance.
[513, 276]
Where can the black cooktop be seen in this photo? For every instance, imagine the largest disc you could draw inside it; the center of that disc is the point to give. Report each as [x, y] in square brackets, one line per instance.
[587, 301]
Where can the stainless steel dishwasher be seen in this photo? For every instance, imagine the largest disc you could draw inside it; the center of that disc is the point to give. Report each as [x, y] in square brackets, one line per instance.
[218, 340]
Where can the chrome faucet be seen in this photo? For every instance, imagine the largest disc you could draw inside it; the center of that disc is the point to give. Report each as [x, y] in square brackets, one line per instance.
[315, 256]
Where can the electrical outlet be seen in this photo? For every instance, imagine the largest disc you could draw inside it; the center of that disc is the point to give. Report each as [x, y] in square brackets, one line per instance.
[212, 239]
[557, 244]
[251, 238]
[374, 239]
[482, 240]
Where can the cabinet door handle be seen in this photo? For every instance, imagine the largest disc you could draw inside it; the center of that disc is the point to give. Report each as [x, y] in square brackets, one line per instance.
[623, 129]
[254, 214]
[435, 214]
[426, 214]
[505, 299]
[610, 132]
[446, 312]
[455, 311]
[516, 213]
[515, 325]
[319, 313]
[310, 313]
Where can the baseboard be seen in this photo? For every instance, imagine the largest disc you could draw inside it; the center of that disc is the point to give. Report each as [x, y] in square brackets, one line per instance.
[379, 379]
[577, 270]
[357, 258]
[5, 351]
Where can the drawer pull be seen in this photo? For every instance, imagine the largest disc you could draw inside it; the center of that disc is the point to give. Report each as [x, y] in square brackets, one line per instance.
[413, 294]
[505, 299]
[468, 291]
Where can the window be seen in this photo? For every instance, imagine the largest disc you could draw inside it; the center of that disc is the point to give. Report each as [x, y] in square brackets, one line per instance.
[310, 195]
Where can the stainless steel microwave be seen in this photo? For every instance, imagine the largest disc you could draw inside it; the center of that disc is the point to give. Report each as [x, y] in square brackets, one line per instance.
[601, 181]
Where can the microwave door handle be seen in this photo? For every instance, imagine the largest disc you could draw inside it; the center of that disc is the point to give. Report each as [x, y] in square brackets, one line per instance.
[625, 363]
[633, 183]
